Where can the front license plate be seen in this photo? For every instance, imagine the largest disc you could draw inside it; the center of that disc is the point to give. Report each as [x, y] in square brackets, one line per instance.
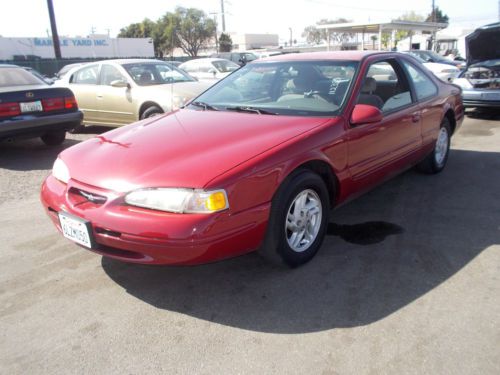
[31, 106]
[76, 229]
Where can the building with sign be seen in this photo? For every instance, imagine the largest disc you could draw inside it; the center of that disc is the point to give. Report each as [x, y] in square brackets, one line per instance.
[93, 46]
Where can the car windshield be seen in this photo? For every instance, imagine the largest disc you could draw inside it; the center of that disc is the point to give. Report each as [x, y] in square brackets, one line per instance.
[18, 77]
[249, 57]
[225, 66]
[148, 74]
[297, 88]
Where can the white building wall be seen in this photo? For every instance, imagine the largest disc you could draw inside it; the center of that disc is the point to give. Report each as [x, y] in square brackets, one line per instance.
[93, 46]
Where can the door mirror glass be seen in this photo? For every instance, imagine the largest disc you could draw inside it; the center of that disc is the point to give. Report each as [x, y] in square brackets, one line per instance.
[365, 114]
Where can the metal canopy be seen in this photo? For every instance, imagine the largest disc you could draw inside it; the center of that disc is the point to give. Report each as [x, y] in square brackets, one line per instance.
[374, 27]
[379, 27]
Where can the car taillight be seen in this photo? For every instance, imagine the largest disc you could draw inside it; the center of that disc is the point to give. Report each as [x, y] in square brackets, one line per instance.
[70, 102]
[52, 104]
[9, 109]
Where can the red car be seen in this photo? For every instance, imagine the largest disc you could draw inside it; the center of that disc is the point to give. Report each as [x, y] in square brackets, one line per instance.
[255, 162]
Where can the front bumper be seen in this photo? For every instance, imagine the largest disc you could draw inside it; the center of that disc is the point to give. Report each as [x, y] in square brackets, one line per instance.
[35, 126]
[481, 98]
[137, 235]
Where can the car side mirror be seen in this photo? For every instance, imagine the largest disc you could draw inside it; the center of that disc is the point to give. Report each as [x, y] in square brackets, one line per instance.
[120, 83]
[365, 114]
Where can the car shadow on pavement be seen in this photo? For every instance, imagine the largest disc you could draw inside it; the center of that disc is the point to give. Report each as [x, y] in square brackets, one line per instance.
[491, 114]
[30, 154]
[33, 154]
[433, 227]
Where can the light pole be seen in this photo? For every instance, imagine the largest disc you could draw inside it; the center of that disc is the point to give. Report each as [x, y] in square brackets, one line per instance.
[291, 39]
[55, 36]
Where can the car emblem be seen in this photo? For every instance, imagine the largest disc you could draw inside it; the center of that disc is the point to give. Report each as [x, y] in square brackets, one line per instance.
[29, 95]
[92, 198]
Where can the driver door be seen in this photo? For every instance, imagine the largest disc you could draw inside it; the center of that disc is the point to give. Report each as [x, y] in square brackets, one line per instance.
[115, 104]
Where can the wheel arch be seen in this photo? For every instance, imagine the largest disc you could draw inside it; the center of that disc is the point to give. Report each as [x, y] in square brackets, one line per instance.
[324, 170]
[450, 115]
[146, 105]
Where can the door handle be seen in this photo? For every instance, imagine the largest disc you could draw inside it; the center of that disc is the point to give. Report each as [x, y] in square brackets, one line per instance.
[99, 96]
[415, 117]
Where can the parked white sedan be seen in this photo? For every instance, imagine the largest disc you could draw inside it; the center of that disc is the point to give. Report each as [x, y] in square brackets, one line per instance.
[209, 69]
[444, 72]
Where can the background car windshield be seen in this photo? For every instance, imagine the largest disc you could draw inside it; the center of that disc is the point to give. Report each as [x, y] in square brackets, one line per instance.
[18, 77]
[225, 66]
[249, 57]
[302, 88]
[147, 74]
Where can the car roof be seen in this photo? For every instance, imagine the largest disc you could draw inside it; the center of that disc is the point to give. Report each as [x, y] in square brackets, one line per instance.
[332, 55]
[206, 59]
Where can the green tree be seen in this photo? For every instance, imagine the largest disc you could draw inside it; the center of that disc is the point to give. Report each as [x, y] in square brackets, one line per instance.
[437, 16]
[374, 39]
[187, 28]
[225, 43]
[190, 29]
[144, 29]
[314, 35]
[410, 16]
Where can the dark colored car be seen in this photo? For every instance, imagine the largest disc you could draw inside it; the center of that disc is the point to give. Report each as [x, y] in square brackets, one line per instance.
[240, 58]
[255, 162]
[31, 108]
[480, 82]
[431, 56]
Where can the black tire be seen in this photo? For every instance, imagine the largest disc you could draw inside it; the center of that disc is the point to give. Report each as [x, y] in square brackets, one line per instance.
[276, 247]
[54, 138]
[431, 164]
[151, 111]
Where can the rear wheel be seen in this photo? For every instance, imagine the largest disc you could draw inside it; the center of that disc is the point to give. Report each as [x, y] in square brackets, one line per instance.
[54, 138]
[298, 220]
[151, 111]
[436, 160]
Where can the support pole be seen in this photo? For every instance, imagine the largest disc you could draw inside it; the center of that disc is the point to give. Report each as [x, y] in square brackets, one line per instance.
[55, 35]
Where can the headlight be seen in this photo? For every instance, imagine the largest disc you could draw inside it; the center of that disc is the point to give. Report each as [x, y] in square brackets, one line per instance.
[60, 171]
[463, 83]
[179, 200]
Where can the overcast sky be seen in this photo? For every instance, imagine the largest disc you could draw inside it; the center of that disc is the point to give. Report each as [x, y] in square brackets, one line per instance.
[29, 18]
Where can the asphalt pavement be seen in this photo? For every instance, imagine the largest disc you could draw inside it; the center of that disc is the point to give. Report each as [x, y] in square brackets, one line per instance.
[407, 282]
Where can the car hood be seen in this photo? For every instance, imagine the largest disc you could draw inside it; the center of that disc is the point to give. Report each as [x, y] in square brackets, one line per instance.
[438, 67]
[483, 44]
[186, 148]
[183, 89]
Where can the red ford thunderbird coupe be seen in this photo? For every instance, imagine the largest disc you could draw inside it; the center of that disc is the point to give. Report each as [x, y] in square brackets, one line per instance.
[256, 162]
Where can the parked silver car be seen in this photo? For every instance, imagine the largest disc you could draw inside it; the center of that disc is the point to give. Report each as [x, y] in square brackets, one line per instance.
[480, 82]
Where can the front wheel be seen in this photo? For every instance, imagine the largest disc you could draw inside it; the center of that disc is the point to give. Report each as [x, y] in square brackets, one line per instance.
[436, 160]
[151, 111]
[298, 220]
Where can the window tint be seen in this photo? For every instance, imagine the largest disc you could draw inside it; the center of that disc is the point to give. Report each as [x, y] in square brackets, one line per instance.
[109, 74]
[424, 86]
[86, 76]
[385, 87]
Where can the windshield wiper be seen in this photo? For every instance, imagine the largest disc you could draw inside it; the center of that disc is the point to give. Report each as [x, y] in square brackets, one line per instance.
[205, 106]
[250, 110]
